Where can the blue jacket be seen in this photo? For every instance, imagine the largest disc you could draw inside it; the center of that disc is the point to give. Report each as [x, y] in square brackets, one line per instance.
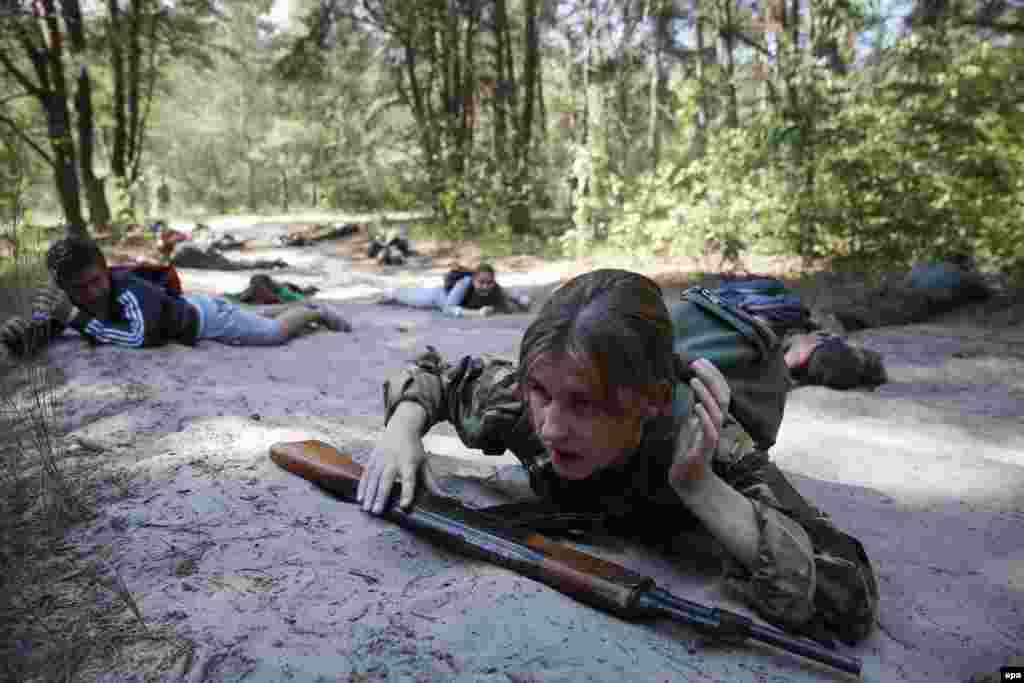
[142, 315]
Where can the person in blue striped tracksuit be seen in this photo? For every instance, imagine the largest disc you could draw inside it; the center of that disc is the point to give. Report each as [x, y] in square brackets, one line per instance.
[110, 307]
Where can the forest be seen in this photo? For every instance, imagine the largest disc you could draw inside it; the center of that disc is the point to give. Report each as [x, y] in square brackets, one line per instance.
[847, 132]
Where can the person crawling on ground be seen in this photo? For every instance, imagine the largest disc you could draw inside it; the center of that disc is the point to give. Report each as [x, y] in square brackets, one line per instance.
[601, 415]
[464, 293]
[117, 307]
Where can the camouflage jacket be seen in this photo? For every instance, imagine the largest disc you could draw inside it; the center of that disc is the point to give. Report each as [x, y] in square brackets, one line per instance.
[810, 577]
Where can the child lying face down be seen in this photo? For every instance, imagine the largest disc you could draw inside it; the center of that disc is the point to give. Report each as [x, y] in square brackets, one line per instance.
[118, 307]
[464, 293]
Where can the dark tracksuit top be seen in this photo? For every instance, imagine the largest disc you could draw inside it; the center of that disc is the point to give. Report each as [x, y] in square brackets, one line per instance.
[142, 314]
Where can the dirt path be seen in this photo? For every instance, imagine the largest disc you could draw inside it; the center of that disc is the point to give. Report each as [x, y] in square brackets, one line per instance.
[273, 580]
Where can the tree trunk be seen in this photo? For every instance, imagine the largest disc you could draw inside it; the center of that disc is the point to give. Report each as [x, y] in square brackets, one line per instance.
[99, 208]
[65, 176]
[519, 218]
[284, 190]
[728, 45]
[251, 184]
[701, 116]
[502, 85]
[50, 64]
[117, 159]
[653, 145]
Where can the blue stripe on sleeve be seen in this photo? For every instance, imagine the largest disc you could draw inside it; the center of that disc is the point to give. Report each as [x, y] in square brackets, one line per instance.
[109, 334]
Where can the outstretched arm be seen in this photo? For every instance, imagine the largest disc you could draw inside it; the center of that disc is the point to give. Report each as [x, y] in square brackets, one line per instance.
[478, 396]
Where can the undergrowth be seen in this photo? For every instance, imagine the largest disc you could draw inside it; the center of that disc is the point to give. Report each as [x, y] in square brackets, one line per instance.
[63, 615]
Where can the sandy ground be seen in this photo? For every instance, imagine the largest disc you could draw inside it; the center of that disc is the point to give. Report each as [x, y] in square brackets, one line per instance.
[275, 581]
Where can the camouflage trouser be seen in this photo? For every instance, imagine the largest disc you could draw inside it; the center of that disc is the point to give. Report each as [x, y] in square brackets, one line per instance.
[846, 590]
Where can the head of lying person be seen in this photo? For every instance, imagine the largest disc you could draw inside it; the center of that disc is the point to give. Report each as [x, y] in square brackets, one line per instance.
[79, 268]
[485, 290]
[836, 364]
[597, 369]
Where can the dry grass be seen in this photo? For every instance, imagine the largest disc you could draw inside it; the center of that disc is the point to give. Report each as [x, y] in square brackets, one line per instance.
[61, 614]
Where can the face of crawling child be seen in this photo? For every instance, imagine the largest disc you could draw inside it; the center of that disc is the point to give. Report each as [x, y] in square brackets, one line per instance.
[582, 433]
[483, 282]
[89, 288]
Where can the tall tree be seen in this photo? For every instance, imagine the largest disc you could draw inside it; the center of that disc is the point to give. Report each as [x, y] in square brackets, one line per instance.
[53, 52]
[33, 56]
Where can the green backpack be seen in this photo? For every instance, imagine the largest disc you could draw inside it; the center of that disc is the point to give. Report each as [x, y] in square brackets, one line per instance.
[746, 351]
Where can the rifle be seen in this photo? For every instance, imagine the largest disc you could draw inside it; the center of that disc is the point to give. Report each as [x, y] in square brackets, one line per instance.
[584, 577]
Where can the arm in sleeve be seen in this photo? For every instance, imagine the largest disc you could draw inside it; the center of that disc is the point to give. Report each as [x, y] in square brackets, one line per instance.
[132, 332]
[808, 574]
[458, 292]
[507, 303]
[25, 337]
[478, 396]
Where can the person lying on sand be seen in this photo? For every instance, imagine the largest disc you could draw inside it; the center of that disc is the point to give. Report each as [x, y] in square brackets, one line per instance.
[464, 293]
[264, 290]
[598, 413]
[191, 255]
[829, 360]
[117, 307]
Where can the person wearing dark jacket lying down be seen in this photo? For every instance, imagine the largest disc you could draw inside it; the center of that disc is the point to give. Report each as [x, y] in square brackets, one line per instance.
[114, 307]
[829, 360]
[474, 293]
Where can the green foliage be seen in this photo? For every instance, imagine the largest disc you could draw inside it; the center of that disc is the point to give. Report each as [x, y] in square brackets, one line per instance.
[727, 202]
[13, 185]
[920, 158]
[925, 164]
[122, 203]
[910, 149]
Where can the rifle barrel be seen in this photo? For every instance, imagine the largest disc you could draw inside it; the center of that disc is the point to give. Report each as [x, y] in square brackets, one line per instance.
[658, 601]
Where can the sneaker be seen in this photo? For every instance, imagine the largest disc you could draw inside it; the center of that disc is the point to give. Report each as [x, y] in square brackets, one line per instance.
[332, 319]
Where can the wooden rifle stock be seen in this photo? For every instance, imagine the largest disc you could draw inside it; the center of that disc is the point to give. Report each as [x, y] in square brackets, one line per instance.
[589, 579]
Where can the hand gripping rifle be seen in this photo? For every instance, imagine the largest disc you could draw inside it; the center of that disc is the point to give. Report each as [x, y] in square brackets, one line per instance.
[586, 578]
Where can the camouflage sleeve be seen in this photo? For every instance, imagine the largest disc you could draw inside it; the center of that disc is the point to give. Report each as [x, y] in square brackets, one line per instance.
[810, 577]
[478, 396]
